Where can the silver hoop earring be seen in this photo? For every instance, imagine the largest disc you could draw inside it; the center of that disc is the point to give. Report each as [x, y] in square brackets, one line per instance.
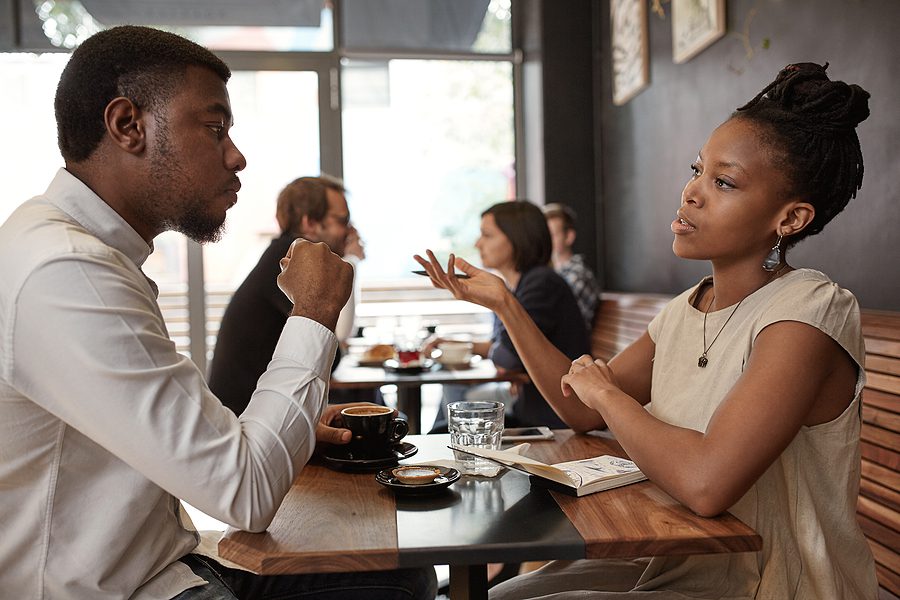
[773, 258]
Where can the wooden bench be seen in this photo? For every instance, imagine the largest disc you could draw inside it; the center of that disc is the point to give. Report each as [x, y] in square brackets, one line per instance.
[623, 317]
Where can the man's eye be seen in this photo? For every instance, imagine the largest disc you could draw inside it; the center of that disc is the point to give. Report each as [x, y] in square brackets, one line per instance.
[695, 170]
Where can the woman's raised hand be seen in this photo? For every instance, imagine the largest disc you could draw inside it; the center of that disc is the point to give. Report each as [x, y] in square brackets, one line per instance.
[480, 287]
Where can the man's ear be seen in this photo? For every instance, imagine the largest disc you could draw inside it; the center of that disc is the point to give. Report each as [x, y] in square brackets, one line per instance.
[309, 228]
[798, 216]
[125, 125]
[570, 237]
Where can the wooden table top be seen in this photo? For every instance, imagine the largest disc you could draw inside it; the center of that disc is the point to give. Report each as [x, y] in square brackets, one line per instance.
[335, 521]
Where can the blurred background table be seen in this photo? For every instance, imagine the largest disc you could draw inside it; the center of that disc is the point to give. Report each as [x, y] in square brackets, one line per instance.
[409, 385]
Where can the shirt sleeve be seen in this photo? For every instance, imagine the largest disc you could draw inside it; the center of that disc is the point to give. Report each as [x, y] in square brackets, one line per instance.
[822, 304]
[538, 295]
[90, 346]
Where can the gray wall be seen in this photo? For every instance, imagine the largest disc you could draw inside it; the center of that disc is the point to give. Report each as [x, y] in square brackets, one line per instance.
[647, 145]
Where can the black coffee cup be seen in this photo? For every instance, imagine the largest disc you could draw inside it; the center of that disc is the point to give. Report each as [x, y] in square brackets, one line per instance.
[374, 430]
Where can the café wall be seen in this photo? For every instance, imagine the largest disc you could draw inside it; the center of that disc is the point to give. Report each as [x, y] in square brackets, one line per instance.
[646, 146]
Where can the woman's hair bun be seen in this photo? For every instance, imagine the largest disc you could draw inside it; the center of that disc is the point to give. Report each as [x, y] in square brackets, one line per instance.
[812, 125]
[805, 90]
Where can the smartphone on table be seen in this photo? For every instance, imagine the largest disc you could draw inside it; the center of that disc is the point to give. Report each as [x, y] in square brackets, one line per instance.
[514, 434]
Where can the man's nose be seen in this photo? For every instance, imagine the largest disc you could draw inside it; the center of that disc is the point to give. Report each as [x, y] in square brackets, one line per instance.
[234, 158]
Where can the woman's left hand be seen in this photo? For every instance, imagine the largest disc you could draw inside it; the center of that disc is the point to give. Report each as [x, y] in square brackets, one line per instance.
[588, 379]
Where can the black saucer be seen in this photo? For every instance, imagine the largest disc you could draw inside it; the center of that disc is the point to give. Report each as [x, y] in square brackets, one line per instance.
[340, 458]
[446, 478]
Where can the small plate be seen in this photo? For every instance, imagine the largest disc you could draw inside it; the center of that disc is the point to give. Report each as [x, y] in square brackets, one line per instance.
[340, 458]
[459, 366]
[445, 479]
[370, 363]
[412, 368]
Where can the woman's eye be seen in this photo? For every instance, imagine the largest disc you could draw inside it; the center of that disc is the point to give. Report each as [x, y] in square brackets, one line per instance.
[695, 170]
[721, 183]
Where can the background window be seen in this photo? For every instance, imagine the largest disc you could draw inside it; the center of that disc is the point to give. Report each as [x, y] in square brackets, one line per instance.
[456, 25]
[217, 24]
[428, 145]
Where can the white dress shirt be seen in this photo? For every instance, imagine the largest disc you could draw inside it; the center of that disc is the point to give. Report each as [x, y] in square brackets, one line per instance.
[103, 425]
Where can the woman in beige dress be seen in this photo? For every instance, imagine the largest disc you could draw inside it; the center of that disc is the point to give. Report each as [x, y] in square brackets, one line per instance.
[753, 376]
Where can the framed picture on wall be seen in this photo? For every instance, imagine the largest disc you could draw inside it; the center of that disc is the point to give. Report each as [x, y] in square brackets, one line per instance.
[630, 61]
[695, 25]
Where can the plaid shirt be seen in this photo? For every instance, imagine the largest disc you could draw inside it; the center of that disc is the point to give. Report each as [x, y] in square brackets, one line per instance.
[584, 285]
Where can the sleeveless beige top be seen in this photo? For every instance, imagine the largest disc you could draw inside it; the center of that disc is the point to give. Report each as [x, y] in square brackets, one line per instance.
[804, 505]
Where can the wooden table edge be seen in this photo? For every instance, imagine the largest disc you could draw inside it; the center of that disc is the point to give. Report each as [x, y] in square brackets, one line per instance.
[312, 562]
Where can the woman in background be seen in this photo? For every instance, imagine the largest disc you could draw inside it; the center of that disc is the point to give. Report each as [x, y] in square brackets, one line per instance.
[515, 242]
[754, 374]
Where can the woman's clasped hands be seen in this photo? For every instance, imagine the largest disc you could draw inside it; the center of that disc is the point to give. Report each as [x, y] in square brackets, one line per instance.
[590, 380]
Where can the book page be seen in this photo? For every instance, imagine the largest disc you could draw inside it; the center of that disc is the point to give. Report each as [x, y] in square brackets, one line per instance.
[591, 470]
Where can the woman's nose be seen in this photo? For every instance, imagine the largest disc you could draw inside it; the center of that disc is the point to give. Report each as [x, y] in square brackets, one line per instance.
[691, 193]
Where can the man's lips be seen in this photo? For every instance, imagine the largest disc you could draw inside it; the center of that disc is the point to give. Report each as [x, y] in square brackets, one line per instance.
[232, 191]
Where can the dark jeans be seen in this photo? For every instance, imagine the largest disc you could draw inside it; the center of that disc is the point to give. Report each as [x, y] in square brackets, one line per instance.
[231, 584]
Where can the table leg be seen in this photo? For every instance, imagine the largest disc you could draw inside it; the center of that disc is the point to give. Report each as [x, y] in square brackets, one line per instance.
[468, 582]
[409, 402]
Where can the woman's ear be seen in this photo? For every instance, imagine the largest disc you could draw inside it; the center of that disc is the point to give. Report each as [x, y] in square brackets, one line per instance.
[797, 216]
[125, 125]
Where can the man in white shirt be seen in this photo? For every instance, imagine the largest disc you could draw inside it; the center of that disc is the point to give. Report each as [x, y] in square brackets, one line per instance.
[103, 425]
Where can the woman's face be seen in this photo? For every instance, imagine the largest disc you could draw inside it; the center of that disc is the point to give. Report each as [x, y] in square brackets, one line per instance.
[495, 248]
[733, 203]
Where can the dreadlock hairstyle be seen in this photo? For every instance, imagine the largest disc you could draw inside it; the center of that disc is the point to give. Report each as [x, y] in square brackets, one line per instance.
[812, 121]
[142, 64]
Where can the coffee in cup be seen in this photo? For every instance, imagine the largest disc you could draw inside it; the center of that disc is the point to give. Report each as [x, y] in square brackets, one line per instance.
[374, 429]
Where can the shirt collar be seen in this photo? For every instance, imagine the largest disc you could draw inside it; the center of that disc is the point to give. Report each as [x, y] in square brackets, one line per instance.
[72, 196]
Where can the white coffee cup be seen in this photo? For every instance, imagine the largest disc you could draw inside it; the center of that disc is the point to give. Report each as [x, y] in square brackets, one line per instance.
[455, 352]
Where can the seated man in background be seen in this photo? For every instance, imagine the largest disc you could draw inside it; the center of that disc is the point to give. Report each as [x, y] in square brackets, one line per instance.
[561, 221]
[103, 425]
[312, 208]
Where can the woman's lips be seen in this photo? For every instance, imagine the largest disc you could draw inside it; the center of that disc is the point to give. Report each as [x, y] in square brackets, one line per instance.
[680, 226]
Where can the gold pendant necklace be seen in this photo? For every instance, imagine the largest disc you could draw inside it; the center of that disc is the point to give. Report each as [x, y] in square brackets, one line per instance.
[703, 361]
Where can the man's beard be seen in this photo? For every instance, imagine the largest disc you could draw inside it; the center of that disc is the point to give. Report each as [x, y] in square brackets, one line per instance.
[176, 208]
[199, 227]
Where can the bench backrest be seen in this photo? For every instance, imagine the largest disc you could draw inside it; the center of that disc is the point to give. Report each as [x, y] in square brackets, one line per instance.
[623, 317]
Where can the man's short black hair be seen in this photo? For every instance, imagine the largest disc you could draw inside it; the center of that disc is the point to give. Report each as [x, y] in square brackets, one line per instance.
[142, 64]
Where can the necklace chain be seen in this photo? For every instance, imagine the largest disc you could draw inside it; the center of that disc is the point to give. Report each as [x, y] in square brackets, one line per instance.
[703, 360]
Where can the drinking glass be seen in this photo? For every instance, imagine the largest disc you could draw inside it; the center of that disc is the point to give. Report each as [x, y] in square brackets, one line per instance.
[477, 424]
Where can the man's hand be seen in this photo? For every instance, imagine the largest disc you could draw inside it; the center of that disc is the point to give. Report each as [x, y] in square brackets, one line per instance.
[328, 430]
[354, 246]
[316, 280]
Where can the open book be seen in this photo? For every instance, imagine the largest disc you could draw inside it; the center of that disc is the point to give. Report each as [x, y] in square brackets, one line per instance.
[576, 478]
